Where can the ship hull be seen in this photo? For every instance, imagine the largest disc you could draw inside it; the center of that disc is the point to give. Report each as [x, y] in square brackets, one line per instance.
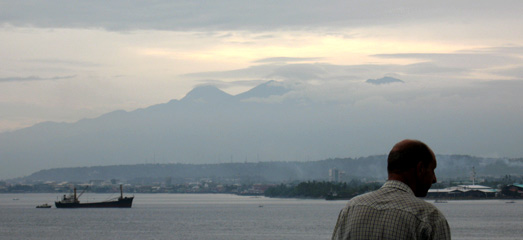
[125, 202]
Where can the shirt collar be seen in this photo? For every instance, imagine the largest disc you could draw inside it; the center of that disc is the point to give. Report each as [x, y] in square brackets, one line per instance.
[398, 185]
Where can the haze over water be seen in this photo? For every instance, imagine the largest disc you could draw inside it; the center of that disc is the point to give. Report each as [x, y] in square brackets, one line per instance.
[225, 217]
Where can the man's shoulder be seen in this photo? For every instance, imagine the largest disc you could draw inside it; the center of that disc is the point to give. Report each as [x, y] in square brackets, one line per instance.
[366, 197]
[373, 199]
[393, 198]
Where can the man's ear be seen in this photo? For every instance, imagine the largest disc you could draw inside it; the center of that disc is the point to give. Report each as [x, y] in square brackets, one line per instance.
[420, 169]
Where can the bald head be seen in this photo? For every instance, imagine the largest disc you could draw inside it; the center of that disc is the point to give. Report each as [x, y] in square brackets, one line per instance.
[406, 155]
[413, 163]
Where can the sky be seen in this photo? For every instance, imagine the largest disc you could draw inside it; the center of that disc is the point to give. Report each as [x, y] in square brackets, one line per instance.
[461, 61]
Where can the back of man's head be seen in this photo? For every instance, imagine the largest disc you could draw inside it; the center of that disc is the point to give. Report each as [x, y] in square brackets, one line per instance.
[406, 155]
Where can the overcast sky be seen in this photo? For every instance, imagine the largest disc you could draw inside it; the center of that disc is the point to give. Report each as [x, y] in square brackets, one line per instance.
[68, 60]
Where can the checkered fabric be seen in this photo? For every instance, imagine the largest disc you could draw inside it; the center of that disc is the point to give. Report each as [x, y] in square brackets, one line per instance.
[391, 212]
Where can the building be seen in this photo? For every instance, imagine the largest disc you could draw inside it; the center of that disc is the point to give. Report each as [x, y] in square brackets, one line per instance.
[463, 192]
[513, 190]
[334, 175]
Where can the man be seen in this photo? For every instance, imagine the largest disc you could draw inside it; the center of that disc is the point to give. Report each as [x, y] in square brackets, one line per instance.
[395, 211]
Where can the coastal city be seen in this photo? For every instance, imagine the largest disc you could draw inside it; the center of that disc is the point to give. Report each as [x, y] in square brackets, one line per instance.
[336, 186]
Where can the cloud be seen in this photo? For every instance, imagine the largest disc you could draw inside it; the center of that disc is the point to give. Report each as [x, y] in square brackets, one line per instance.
[285, 60]
[472, 59]
[514, 72]
[505, 86]
[447, 70]
[302, 71]
[34, 78]
[509, 50]
[475, 63]
[64, 62]
[244, 73]
[432, 68]
[123, 15]
[299, 72]
[225, 84]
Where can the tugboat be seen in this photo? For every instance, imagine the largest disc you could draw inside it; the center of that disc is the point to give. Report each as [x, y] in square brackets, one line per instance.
[72, 201]
[45, 205]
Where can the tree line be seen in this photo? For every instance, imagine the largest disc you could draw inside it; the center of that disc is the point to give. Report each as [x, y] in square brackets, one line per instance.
[322, 189]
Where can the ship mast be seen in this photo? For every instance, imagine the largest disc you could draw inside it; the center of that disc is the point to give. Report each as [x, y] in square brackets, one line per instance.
[473, 176]
[121, 192]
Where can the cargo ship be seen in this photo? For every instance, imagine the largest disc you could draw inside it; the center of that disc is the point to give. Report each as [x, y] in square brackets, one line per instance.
[72, 201]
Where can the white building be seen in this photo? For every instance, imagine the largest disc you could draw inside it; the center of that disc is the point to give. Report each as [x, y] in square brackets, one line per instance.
[463, 191]
[334, 175]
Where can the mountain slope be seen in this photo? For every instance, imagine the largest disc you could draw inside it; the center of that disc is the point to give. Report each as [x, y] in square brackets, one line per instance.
[206, 94]
[206, 126]
[271, 88]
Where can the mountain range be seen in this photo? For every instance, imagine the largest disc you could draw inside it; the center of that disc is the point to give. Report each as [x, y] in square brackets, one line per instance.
[269, 123]
[206, 126]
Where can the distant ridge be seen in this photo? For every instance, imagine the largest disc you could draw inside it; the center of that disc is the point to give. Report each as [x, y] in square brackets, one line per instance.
[372, 167]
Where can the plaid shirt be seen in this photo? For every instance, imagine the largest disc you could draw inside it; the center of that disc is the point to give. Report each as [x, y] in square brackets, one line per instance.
[392, 212]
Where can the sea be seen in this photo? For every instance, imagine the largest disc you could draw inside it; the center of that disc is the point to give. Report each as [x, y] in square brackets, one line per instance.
[226, 217]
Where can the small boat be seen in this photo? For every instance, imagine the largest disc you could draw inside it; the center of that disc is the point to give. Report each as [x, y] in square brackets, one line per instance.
[72, 201]
[440, 201]
[511, 201]
[45, 205]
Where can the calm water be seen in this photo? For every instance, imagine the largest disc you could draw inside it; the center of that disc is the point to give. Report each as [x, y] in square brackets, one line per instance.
[227, 217]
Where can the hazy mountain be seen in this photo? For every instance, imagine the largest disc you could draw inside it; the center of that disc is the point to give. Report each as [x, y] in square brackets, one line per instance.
[384, 80]
[206, 126]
